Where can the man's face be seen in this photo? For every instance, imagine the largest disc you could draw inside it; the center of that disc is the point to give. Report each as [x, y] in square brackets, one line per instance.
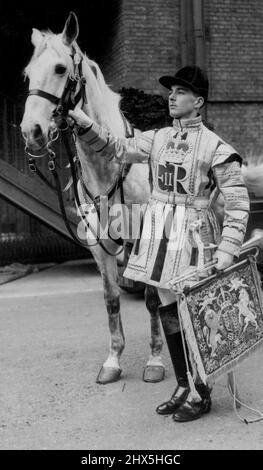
[183, 102]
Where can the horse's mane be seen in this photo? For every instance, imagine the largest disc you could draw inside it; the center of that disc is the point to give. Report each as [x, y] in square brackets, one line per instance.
[103, 102]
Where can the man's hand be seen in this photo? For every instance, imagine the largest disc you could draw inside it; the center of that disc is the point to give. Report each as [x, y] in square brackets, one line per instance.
[224, 260]
[80, 118]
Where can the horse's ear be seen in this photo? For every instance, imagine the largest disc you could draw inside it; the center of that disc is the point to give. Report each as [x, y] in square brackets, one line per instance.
[71, 29]
[36, 37]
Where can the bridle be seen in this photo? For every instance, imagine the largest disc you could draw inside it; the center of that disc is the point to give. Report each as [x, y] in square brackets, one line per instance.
[69, 98]
[68, 101]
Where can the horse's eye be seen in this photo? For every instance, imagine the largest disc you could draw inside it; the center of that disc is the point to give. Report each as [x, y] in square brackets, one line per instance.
[60, 69]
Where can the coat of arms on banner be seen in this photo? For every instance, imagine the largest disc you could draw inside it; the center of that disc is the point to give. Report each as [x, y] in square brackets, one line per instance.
[223, 319]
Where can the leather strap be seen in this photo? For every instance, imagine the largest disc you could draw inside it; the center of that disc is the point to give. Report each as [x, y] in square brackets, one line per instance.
[54, 99]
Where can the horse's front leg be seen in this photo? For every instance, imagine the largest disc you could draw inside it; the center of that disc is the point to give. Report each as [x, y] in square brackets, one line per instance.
[111, 370]
[155, 369]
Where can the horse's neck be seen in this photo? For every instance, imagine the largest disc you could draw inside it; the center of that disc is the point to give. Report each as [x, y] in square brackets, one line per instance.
[98, 173]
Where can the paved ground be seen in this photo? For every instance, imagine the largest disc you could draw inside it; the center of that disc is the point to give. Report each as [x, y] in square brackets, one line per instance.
[54, 339]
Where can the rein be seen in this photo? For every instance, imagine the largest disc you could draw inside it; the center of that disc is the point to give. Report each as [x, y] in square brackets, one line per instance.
[69, 100]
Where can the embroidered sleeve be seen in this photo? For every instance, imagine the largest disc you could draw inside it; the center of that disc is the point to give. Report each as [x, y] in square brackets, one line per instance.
[227, 172]
[131, 150]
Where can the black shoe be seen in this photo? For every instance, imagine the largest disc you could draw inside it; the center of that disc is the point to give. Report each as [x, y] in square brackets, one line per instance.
[178, 397]
[189, 411]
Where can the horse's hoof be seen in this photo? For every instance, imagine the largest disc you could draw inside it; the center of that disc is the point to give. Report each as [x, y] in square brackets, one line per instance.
[108, 375]
[153, 374]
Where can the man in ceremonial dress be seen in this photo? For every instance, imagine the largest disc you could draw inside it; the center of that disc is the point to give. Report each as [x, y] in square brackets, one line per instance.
[190, 165]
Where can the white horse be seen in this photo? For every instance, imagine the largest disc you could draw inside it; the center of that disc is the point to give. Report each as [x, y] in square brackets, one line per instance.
[48, 70]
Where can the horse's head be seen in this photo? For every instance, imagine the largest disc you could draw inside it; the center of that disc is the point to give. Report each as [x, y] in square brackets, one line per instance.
[53, 74]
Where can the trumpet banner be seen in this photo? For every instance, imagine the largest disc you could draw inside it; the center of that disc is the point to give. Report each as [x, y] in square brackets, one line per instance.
[223, 320]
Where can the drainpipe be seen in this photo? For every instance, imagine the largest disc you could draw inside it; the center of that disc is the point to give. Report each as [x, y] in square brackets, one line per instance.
[183, 39]
[199, 35]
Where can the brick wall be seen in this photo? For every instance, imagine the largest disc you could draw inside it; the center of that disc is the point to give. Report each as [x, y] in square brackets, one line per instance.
[145, 40]
[234, 40]
[113, 62]
[240, 124]
[234, 37]
[145, 43]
